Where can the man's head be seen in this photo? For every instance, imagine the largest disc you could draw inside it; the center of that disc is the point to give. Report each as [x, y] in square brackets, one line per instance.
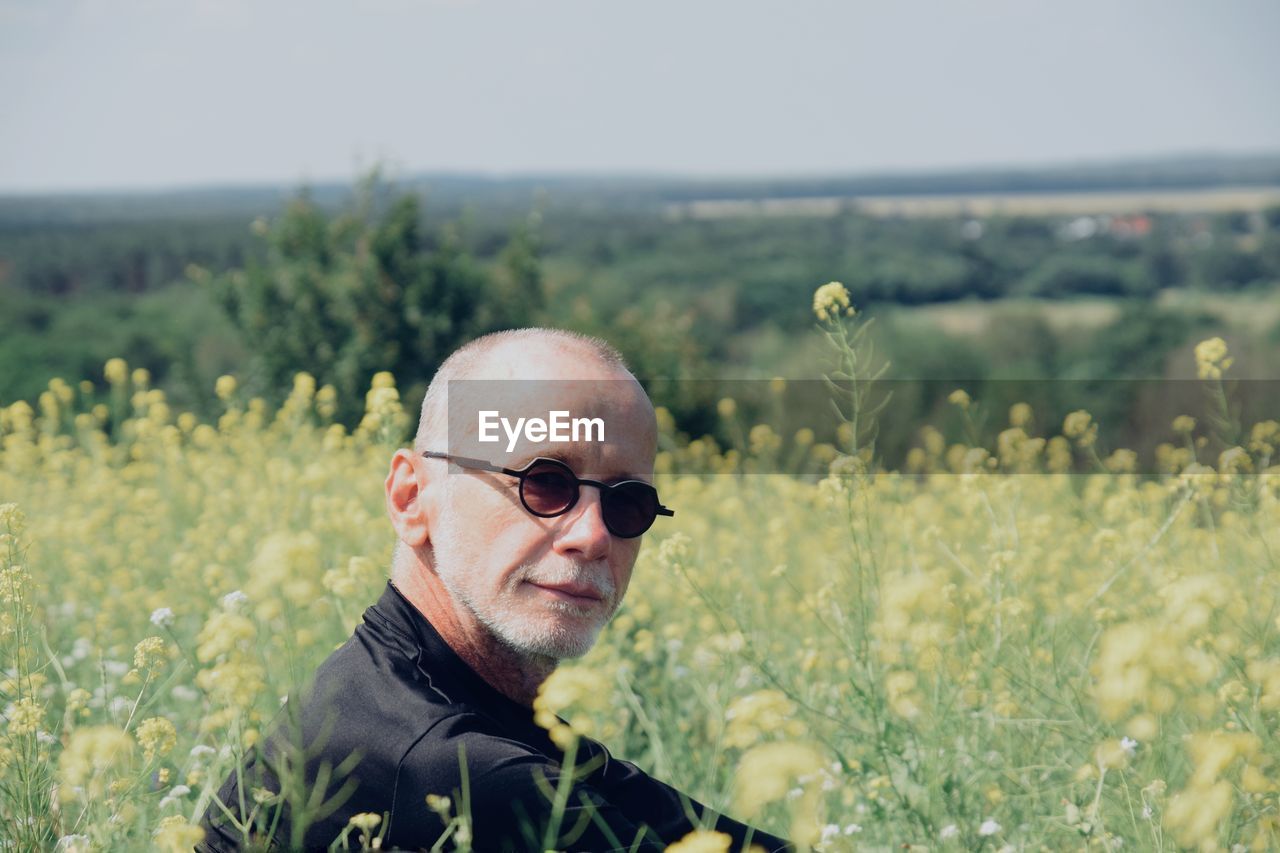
[541, 586]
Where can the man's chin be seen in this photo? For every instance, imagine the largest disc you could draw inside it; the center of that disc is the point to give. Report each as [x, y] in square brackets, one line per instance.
[559, 642]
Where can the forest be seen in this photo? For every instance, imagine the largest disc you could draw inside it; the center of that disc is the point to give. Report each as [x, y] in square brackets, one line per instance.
[382, 274]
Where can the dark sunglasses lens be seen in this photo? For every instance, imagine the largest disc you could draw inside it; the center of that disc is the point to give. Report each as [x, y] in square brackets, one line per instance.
[548, 490]
[630, 508]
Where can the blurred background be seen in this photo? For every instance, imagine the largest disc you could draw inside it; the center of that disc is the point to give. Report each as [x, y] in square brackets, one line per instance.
[1014, 191]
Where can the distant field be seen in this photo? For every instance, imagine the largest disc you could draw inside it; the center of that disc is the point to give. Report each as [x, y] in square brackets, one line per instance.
[1256, 313]
[975, 318]
[1009, 204]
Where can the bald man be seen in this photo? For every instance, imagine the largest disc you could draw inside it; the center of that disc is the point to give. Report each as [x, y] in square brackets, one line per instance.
[515, 547]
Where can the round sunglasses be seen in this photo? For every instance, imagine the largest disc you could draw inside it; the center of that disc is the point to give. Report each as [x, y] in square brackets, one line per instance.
[548, 488]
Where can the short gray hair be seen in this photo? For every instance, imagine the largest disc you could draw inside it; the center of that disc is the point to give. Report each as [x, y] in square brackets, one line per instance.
[433, 421]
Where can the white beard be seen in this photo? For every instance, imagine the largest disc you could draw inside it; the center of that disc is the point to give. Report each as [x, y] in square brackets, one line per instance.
[516, 613]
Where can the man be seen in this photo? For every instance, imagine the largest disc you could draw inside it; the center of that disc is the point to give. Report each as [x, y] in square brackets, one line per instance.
[512, 556]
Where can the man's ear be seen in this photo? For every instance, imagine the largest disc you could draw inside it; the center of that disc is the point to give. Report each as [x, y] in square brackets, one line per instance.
[409, 502]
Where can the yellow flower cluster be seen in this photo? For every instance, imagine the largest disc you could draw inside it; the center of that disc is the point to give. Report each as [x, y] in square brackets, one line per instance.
[149, 654]
[1212, 359]
[702, 841]
[569, 688]
[763, 715]
[174, 834]
[832, 301]
[1196, 814]
[94, 758]
[157, 737]
[767, 773]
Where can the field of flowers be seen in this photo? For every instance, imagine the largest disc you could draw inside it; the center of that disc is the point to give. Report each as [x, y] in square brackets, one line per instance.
[985, 652]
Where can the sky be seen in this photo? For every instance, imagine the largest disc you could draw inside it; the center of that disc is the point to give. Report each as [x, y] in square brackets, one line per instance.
[149, 94]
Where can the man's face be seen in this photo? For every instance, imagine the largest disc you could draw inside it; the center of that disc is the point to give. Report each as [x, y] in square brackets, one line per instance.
[543, 586]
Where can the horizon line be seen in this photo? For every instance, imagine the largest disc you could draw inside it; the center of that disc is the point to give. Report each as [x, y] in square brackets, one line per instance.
[515, 176]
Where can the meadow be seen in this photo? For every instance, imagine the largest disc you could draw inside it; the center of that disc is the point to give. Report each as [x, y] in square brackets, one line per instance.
[1022, 646]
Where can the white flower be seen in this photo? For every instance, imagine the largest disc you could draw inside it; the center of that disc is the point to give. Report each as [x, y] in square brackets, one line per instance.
[829, 833]
[852, 829]
[949, 832]
[175, 795]
[989, 827]
[162, 617]
[1147, 813]
[73, 844]
[1129, 745]
[200, 750]
[234, 600]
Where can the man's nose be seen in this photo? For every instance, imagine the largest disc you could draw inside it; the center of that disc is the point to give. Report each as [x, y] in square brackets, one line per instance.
[584, 531]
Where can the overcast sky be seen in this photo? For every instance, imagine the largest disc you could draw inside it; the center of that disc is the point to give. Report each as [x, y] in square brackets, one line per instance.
[155, 93]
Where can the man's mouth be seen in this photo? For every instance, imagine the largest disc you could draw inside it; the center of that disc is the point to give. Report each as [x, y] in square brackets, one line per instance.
[573, 593]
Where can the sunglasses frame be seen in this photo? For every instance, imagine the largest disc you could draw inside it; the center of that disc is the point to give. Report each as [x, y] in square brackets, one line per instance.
[606, 489]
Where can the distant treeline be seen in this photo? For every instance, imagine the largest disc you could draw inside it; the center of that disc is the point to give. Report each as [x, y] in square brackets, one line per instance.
[346, 282]
[451, 194]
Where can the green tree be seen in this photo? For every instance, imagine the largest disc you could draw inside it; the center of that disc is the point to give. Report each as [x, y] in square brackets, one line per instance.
[370, 289]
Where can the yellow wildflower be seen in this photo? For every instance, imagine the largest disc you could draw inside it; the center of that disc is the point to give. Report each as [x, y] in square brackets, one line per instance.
[566, 688]
[1212, 359]
[766, 773]
[1235, 460]
[702, 841]
[755, 717]
[91, 758]
[157, 736]
[175, 835]
[223, 632]
[225, 387]
[1077, 424]
[150, 654]
[116, 371]
[831, 300]
[441, 805]
[25, 718]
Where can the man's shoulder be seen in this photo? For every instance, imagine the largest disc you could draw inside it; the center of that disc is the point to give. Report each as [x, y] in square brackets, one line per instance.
[403, 708]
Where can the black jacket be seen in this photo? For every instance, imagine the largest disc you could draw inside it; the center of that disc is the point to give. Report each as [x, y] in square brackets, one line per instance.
[396, 704]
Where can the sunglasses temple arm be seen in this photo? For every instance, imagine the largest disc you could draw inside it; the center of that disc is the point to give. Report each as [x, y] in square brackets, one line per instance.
[662, 510]
[468, 462]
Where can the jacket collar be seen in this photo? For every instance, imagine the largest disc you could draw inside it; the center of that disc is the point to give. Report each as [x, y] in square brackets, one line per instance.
[436, 660]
